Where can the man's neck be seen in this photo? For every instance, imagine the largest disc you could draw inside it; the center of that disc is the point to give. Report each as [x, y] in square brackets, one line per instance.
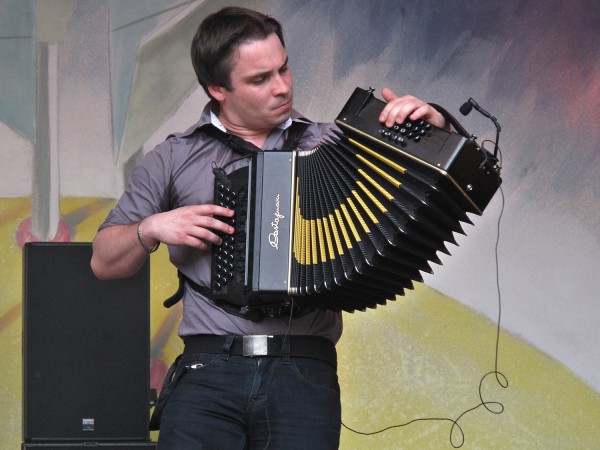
[256, 137]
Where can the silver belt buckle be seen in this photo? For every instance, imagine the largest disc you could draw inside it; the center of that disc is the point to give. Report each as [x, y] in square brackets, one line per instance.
[255, 345]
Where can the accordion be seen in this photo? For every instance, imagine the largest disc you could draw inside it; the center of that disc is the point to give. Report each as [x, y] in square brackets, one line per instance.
[353, 222]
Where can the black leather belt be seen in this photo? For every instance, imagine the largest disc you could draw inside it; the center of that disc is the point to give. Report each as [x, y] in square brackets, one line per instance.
[315, 347]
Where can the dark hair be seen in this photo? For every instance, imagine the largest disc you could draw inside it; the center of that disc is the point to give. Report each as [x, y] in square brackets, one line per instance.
[219, 36]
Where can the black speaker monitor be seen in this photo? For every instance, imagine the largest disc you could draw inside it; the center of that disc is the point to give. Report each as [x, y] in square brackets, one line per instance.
[86, 352]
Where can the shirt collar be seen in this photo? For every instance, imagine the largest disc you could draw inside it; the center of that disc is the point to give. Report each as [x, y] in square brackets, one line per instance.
[217, 123]
[208, 116]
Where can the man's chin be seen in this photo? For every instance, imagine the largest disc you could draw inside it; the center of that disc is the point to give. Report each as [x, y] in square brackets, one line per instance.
[280, 118]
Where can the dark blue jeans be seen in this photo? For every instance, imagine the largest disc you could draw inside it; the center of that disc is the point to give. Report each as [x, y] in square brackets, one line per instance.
[240, 403]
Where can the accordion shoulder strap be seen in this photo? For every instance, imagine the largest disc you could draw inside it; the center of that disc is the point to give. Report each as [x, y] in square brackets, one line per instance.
[254, 314]
[235, 143]
[206, 292]
[453, 121]
[243, 147]
[295, 133]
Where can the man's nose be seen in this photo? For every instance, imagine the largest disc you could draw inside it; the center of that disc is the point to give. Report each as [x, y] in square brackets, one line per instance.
[281, 85]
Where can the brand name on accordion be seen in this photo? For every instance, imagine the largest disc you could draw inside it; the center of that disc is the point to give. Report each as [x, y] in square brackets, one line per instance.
[274, 236]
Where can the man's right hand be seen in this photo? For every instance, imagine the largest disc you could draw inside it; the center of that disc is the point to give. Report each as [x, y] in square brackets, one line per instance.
[117, 252]
[193, 226]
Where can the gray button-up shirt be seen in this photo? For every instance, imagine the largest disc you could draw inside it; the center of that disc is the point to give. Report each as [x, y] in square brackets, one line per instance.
[178, 172]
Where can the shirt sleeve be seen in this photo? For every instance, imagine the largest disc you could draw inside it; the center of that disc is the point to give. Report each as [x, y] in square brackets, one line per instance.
[147, 190]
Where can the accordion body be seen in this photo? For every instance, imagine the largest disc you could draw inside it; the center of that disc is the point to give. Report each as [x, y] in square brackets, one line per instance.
[353, 222]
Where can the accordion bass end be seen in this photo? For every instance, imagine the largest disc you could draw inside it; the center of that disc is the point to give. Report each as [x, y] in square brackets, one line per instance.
[353, 222]
[447, 157]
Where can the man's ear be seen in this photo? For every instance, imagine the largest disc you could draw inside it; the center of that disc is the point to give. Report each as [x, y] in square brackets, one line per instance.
[217, 92]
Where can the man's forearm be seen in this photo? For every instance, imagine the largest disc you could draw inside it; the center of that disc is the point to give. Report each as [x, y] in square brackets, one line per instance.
[117, 252]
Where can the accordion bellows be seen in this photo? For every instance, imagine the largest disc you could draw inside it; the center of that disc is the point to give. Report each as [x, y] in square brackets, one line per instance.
[354, 222]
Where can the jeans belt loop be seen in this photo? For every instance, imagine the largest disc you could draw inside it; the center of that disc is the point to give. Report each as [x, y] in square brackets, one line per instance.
[226, 351]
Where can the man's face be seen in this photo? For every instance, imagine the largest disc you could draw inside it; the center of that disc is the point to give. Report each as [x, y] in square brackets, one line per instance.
[262, 88]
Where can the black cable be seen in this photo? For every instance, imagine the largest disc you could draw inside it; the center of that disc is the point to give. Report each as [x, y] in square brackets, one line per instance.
[500, 377]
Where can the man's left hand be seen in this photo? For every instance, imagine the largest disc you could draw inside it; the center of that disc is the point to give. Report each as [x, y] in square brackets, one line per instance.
[398, 109]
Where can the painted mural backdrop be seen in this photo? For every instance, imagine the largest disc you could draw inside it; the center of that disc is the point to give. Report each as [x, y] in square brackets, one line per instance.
[88, 86]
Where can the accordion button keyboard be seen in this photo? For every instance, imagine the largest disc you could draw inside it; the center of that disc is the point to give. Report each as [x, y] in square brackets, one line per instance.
[409, 130]
[228, 261]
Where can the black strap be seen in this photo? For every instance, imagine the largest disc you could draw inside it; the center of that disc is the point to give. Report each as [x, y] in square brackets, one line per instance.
[235, 143]
[255, 313]
[243, 147]
[285, 346]
[453, 121]
[295, 133]
[171, 379]
[178, 295]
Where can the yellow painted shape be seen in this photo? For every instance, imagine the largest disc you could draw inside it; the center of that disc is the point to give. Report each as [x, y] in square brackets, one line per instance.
[381, 172]
[379, 205]
[397, 167]
[423, 356]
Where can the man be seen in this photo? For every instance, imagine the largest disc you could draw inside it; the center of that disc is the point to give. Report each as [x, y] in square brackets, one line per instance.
[219, 398]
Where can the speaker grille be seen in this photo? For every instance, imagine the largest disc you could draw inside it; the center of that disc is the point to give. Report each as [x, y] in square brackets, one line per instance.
[86, 352]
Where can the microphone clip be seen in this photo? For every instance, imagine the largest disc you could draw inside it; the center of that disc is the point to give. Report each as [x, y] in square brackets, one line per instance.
[489, 161]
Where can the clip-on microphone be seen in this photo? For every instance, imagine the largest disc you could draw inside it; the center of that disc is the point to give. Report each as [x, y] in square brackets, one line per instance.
[465, 109]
